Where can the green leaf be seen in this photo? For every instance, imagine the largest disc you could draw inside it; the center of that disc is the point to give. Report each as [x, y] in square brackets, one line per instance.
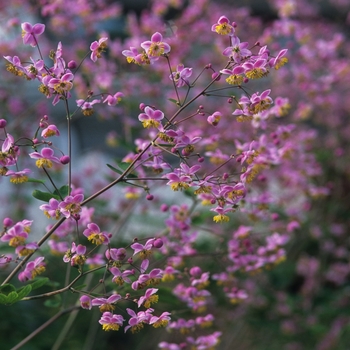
[11, 298]
[114, 169]
[39, 282]
[30, 179]
[24, 291]
[7, 288]
[3, 299]
[172, 100]
[63, 191]
[44, 196]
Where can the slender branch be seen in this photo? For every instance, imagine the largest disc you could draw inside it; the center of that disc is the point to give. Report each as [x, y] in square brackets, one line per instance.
[58, 291]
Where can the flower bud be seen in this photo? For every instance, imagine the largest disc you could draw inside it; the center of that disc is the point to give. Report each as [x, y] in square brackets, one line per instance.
[3, 123]
[216, 76]
[72, 64]
[150, 197]
[7, 222]
[158, 243]
[195, 271]
[65, 159]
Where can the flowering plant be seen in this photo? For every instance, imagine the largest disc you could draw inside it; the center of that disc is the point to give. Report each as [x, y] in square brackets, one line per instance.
[211, 173]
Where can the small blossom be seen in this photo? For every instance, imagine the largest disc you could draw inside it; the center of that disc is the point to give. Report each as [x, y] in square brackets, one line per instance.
[151, 117]
[85, 302]
[51, 130]
[97, 47]
[87, 106]
[111, 322]
[71, 205]
[44, 158]
[29, 32]
[94, 235]
[149, 298]
[32, 269]
[237, 50]
[156, 47]
[121, 277]
[223, 27]
[113, 100]
[18, 177]
[180, 77]
[51, 210]
[106, 304]
[161, 321]
[280, 60]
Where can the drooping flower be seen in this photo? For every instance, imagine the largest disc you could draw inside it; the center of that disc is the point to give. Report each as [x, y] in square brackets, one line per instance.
[149, 298]
[111, 322]
[113, 100]
[223, 27]
[160, 321]
[94, 235]
[32, 269]
[280, 60]
[85, 302]
[18, 177]
[49, 131]
[29, 33]
[44, 158]
[106, 304]
[87, 106]
[180, 77]
[97, 47]
[121, 277]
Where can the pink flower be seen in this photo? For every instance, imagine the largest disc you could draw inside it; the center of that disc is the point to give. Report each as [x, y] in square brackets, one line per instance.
[149, 298]
[237, 50]
[87, 106]
[111, 322]
[94, 235]
[151, 118]
[30, 32]
[180, 77]
[214, 118]
[70, 207]
[106, 304]
[85, 302]
[51, 210]
[44, 158]
[223, 27]
[97, 47]
[255, 70]
[280, 60]
[112, 100]
[51, 130]
[121, 277]
[136, 322]
[160, 321]
[32, 269]
[18, 177]
[156, 47]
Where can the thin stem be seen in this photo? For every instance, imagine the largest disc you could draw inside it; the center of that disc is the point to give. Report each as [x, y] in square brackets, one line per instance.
[53, 184]
[58, 291]
[173, 80]
[69, 136]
